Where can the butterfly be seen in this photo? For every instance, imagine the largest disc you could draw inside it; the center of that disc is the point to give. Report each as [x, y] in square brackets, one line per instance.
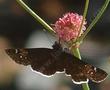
[49, 61]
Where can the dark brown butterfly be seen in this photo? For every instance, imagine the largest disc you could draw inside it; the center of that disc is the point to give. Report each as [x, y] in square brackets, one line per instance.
[49, 61]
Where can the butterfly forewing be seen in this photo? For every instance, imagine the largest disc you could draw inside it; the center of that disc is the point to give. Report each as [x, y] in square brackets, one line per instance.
[95, 74]
[20, 56]
[40, 59]
[80, 70]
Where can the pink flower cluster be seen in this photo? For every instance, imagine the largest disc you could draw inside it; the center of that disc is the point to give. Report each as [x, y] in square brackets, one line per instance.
[67, 28]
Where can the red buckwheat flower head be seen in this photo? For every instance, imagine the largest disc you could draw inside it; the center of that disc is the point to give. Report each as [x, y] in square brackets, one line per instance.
[67, 28]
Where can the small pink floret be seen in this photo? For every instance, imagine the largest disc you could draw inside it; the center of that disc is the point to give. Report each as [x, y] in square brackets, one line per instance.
[67, 27]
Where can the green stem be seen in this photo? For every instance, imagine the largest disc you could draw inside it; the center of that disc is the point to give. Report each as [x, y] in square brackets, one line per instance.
[37, 18]
[76, 53]
[85, 86]
[84, 16]
[95, 20]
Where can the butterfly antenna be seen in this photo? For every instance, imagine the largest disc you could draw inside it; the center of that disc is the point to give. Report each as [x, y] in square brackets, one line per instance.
[59, 40]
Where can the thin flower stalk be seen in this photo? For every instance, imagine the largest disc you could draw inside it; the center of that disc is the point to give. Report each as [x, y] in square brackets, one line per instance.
[102, 10]
[37, 18]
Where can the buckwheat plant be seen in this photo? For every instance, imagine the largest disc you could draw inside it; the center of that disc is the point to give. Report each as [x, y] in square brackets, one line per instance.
[70, 28]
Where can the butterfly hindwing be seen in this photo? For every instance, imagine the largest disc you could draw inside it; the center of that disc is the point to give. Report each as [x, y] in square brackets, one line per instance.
[74, 68]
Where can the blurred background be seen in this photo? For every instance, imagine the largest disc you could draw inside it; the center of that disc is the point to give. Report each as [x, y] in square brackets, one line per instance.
[18, 30]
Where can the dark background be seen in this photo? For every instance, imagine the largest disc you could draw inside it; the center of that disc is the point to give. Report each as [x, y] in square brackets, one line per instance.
[17, 26]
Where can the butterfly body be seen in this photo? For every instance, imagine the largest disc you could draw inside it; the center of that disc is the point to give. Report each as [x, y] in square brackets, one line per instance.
[49, 61]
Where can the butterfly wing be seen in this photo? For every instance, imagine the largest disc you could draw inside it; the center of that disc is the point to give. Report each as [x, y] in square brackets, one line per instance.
[73, 68]
[95, 74]
[49, 61]
[43, 60]
[81, 71]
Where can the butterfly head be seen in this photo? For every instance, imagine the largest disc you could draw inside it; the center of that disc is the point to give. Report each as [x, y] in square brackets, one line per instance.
[57, 46]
